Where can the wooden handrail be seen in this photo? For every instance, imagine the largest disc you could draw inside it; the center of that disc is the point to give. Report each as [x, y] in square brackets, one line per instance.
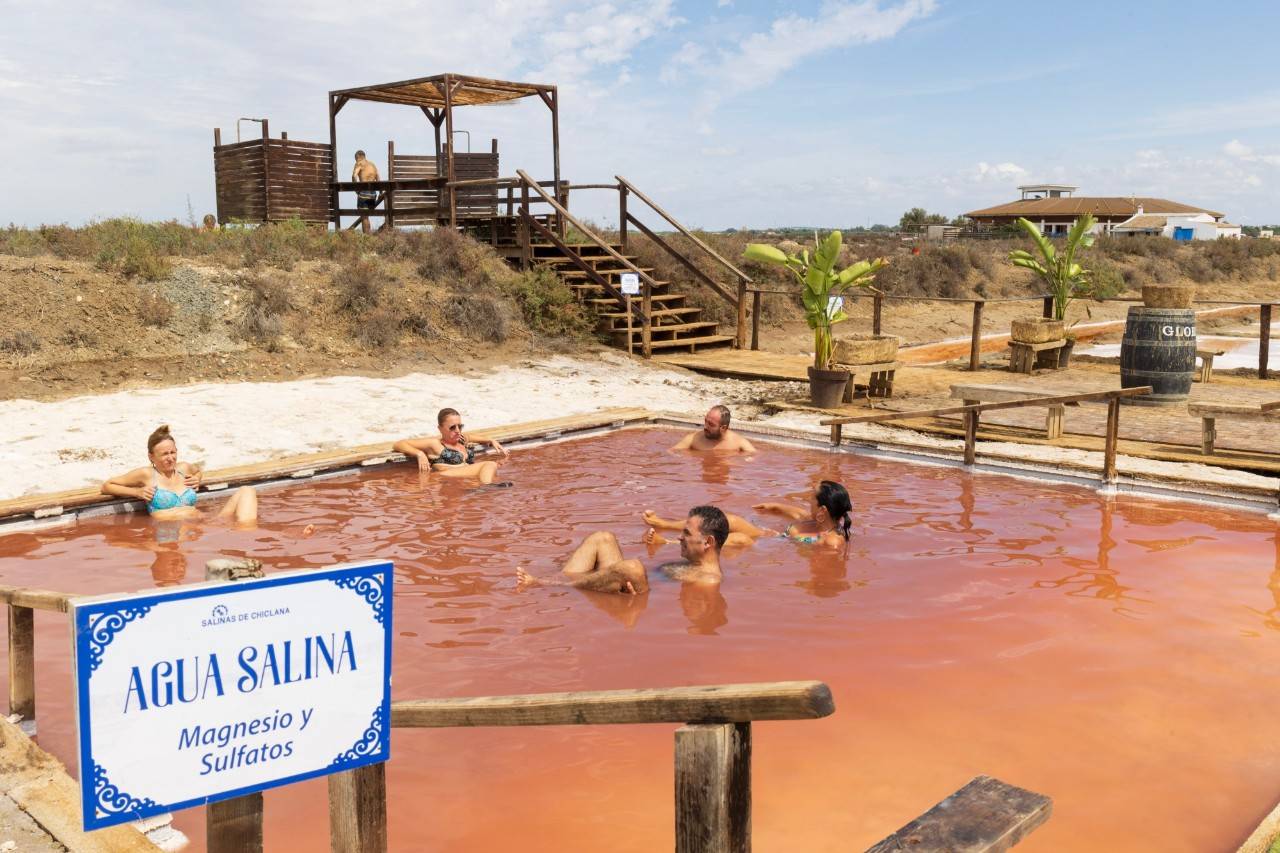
[688, 264]
[725, 703]
[36, 599]
[637, 310]
[988, 407]
[685, 231]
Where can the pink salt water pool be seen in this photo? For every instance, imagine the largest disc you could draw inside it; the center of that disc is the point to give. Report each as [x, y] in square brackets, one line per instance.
[1123, 658]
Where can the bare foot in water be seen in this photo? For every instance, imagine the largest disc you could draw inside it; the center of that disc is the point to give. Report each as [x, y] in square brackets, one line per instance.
[654, 539]
[524, 580]
[308, 530]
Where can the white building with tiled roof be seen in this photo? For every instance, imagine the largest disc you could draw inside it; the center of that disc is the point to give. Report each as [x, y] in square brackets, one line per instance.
[1055, 207]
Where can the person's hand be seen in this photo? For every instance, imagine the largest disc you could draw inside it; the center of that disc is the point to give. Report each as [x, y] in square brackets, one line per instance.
[524, 579]
[766, 507]
[147, 493]
[650, 517]
[506, 454]
[424, 464]
[628, 589]
[193, 480]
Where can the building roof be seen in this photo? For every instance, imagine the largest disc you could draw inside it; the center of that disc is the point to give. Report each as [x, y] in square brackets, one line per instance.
[1225, 225]
[1080, 205]
[429, 91]
[1145, 222]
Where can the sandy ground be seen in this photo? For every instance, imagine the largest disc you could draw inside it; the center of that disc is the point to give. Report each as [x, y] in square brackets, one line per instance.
[228, 424]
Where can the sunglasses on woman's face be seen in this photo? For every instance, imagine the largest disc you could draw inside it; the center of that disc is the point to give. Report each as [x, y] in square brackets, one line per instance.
[455, 428]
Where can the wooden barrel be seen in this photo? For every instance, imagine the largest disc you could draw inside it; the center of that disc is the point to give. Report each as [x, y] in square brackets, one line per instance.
[1158, 349]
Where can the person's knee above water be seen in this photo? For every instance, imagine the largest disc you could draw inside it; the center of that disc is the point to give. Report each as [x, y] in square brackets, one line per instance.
[827, 521]
[169, 487]
[452, 453]
[598, 563]
[715, 435]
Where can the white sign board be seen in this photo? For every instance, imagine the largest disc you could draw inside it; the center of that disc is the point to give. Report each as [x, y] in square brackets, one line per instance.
[212, 691]
[630, 284]
[834, 304]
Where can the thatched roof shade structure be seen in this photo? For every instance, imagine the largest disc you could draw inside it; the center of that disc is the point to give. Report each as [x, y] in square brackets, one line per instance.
[437, 96]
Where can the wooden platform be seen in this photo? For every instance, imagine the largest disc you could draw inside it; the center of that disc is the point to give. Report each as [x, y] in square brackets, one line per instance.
[744, 364]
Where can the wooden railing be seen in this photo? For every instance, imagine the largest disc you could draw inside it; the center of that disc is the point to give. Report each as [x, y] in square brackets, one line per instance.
[972, 412]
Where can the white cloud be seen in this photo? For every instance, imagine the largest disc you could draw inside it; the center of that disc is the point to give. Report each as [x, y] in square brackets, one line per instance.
[1237, 150]
[1000, 172]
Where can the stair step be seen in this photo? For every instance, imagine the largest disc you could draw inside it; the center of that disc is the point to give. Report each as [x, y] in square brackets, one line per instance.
[706, 340]
[665, 312]
[681, 327]
[574, 271]
[657, 297]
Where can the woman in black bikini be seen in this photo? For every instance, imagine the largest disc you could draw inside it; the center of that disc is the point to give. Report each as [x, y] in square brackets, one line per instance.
[452, 455]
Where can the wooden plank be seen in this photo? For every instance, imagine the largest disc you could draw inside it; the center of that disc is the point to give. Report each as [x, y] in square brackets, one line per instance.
[729, 703]
[1094, 396]
[358, 810]
[713, 788]
[685, 231]
[35, 599]
[22, 662]
[985, 816]
[1113, 435]
[1234, 411]
[1264, 339]
[993, 393]
[235, 825]
[975, 336]
[970, 436]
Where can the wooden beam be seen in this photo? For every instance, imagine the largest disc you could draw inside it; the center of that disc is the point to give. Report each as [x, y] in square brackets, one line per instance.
[970, 436]
[975, 336]
[35, 599]
[358, 810]
[1264, 339]
[877, 310]
[694, 238]
[22, 662]
[724, 703]
[1094, 396]
[684, 261]
[1113, 436]
[713, 788]
[985, 816]
[740, 332]
[333, 158]
[622, 216]
[755, 320]
[555, 153]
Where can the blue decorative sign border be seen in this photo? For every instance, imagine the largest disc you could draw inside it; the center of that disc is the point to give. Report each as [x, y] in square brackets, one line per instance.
[97, 624]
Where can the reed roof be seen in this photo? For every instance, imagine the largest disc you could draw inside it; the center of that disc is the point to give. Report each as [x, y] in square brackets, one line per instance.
[429, 91]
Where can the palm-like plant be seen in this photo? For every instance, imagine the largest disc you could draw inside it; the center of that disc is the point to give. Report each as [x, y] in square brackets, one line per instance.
[1065, 278]
[822, 282]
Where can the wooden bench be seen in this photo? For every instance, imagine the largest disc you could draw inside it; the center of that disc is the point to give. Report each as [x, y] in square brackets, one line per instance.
[1205, 372]
[1022, 357]
[1000, 394]
[985, 816]
[879, 382]
[1211, 413]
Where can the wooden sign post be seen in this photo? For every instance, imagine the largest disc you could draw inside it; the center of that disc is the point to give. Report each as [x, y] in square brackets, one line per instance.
[630, 287]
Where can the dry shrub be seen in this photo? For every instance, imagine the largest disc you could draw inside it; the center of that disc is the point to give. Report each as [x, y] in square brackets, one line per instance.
[359, 282]
[130, 248]
[268, 304]
[548, 305]
[79, 336]
[458, 262]
[479, 316]
[21, 342]
[154, 309]
[379, 327]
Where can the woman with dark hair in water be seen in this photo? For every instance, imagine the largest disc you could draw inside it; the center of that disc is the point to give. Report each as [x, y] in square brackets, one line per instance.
[827, 521]
[451, 454]
[169, 486]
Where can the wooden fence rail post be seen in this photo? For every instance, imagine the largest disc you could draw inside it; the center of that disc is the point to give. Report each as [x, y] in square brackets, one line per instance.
[877, 308]
[975, 336]
[622, 217]
[358, 810]
[740, 333]
[646, 332]
[235, 825]
[755, 320]
[1264, 339]
[713, 788]
[1113, 438]
[970, 436]
[22, 666]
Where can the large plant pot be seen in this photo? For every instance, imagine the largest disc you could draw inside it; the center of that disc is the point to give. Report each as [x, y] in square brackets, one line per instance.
[865, 349]
[826, 387]
[1168, 295]
[1036, 330]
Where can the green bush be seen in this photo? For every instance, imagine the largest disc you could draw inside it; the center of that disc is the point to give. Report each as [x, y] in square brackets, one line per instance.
[130, 248]
[548, 305]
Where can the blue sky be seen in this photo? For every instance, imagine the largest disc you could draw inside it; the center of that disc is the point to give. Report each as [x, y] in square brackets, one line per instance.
[729, 113]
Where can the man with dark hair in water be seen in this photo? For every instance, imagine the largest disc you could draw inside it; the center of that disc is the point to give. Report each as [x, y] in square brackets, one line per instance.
[715, 435]
[598, 563]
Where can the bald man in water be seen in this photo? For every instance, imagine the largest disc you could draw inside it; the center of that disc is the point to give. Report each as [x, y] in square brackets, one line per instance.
[715, 435]
[598, 564]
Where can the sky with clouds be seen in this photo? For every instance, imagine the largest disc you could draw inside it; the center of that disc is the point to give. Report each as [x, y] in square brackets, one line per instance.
[729, 113]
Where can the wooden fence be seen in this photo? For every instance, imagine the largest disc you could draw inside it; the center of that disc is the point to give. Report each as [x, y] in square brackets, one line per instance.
[272, 180]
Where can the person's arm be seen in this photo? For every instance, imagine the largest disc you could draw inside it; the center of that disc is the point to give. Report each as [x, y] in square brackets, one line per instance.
[745, 446]
[684, 443]
[492, 442]
[193, 475]
[652, 519]
[782, 509]
[416, 449]
[135, 484]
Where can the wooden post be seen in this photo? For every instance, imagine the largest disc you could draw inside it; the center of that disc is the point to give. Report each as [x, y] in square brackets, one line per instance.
[975, 336]
[235, 825]
[22, 665]
[646, 335]
[358, 810]
[755, 320]
[837, 429]
[630, 347]
[266, 173]
[622, 216]
[526, 233]
[877, 308]
[555, 153]
[448, 132]
[1047, 306]
[740, 333]
[217, 137]
[970, 437]
[1264, 339]
[333, 158]
[713, 788]
[1113, 437]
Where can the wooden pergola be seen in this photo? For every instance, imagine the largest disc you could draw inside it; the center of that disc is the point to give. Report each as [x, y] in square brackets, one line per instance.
[437, 96]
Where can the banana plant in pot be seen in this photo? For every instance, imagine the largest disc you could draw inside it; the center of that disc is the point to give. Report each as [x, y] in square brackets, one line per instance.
[823, 288]
[1065, 279]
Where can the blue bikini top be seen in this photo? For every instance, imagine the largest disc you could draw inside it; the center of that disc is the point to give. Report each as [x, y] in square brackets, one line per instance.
[169, 499]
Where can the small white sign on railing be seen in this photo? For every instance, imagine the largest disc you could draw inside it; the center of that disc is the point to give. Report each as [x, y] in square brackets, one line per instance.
[213, 691]
[630, 284]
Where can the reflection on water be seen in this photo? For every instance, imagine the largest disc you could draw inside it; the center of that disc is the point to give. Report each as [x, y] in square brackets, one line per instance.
[976, 624]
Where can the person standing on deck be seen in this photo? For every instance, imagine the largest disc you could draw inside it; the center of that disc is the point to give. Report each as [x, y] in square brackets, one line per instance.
[365, 199]
[715, 435]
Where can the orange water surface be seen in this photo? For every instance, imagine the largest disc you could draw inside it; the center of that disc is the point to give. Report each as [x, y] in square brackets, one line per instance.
[1122, 657]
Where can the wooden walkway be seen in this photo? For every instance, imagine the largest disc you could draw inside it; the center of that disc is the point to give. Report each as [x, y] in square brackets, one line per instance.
[743, 364]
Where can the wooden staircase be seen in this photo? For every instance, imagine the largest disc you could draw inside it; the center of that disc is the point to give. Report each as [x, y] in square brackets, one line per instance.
[677, 326]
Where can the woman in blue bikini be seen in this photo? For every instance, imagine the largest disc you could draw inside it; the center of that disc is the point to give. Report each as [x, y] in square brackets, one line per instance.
[826, 522]
[169, 486]
[452, 454]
